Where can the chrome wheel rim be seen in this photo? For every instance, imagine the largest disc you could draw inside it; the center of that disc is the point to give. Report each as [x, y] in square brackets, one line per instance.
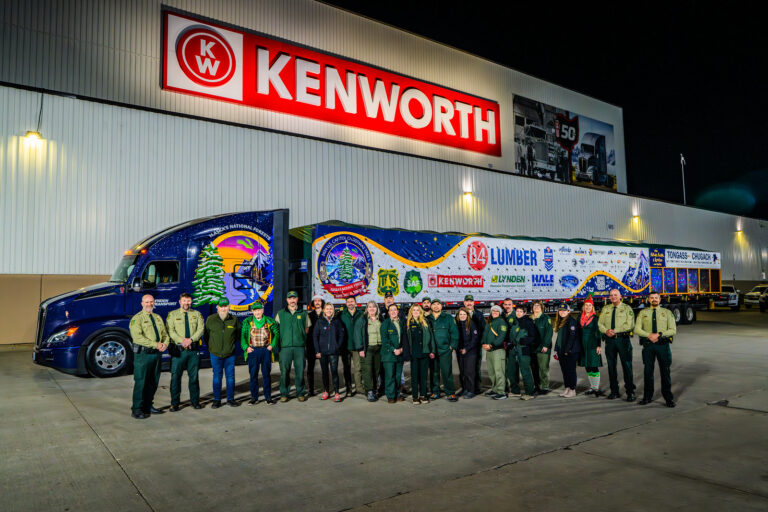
[110, 355]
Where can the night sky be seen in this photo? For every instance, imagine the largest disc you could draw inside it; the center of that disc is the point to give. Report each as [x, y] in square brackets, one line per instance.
[690, 78]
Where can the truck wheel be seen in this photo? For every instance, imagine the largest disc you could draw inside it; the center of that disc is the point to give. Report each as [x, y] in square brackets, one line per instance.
[677, 314]
[689, 315]
[109, 355]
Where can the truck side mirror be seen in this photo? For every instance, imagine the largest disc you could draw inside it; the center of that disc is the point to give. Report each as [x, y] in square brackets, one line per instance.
[136, 284]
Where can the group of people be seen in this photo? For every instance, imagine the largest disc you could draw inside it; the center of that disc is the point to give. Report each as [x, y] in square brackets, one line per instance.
[373, 344]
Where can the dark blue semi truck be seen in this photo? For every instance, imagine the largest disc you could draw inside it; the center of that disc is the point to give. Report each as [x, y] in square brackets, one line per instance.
[242, 257]
[252, 256]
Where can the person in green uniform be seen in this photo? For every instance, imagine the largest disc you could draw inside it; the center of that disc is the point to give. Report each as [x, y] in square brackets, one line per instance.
[392, 354]
[368, 346]
[656, 328]
[293, 325]
[421, 348]
[521, 341]
[493, 340]
[591, 351]
[222, 331]
[258, 339]
[185, 328]
[544, 351]
[446, 342]
[348, 316]
[150, 339]
[616, 323]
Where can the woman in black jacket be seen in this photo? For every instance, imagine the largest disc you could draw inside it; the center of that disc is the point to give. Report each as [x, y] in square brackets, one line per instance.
[469, 348]
[567, 348]
[328, 335]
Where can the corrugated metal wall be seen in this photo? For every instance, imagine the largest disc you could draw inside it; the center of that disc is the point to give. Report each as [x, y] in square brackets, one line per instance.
[105, 176]
[111, 50]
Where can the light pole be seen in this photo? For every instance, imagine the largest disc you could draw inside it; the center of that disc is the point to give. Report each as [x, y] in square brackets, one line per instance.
[682, 169]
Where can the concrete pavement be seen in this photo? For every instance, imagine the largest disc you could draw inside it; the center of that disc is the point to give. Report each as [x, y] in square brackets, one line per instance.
[69, 443]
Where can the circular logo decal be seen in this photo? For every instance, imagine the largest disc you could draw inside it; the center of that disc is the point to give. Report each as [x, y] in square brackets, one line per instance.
[477, 255]
[345, 266]
[205, 56]
[236, 265]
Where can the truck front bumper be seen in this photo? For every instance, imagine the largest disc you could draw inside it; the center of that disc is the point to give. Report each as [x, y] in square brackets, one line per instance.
[65, 359]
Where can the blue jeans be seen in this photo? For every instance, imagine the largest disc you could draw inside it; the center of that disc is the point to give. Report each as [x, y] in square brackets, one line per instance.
[228, 365]
[260, 359]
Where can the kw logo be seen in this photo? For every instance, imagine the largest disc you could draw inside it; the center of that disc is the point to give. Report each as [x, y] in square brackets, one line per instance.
[205, 56]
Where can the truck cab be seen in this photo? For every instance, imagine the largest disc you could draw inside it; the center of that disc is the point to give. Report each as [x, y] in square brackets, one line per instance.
[86, 331]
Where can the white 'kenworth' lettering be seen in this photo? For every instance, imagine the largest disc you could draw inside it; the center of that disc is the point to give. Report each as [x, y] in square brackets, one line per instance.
[380, 100]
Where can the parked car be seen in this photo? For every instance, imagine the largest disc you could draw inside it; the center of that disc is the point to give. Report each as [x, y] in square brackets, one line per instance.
[752, 298]
[729, 297]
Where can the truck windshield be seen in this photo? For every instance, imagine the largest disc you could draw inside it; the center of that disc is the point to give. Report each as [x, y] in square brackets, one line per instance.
[124, 269]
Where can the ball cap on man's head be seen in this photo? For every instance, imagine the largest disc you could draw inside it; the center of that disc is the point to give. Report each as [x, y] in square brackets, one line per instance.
[388, 294]
[257, 305]
[469, 297]
[436, 301]
[223, 302]
[292, 294]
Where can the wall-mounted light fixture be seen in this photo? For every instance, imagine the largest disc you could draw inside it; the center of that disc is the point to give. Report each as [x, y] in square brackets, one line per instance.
[635, 219]
[467, 197]
[34, 137]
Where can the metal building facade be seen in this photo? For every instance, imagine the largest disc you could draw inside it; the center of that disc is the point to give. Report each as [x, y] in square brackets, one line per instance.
[108, 174]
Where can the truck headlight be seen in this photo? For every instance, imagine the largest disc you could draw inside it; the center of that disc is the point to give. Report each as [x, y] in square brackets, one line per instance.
[61, 336]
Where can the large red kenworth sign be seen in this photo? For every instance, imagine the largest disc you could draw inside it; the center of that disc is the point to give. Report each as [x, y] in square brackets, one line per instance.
[231, 64]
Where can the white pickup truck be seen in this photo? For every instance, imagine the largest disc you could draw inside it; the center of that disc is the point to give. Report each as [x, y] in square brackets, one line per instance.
[729, 297]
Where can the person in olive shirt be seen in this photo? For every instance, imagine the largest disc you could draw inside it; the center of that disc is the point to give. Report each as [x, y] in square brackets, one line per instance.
[446, 341]
[616, 323]
[493, 340]
[544, 350]
[185, 328]
[350, 357]
[656, 328]
[222, 331]
[149, 339]
[368, 346]
[420, 348]
[258, 339]
[522, 337]
[294, 325]
[392, 358]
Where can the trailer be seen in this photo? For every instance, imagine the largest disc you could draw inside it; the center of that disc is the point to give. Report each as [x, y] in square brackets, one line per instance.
[252, 257]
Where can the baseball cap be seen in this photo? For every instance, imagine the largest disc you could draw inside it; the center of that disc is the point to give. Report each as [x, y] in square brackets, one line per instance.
[292, 294]
[223, 302]
[469, 297]
[257, 305]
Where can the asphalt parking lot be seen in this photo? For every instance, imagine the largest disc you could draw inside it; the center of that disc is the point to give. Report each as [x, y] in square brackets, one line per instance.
[69, 443]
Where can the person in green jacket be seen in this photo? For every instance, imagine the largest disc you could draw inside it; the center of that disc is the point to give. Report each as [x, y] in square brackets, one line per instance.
[544, 351]
[616, 323]
[293, 325]
[221, 333]
[521, 342]
[421, 348]
[495, 356]
[368, 346]
[392, 354]
[258, 339]
[185, 328]
[149, 339]
[351, 357]
[446, 341]
[591, 358]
